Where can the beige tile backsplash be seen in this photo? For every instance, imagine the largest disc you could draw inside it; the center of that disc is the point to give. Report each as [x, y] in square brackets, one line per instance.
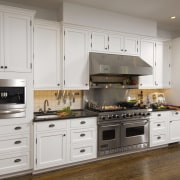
[41, 95]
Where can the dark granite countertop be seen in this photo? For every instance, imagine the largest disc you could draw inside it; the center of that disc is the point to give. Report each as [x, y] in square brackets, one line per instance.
[52, 115]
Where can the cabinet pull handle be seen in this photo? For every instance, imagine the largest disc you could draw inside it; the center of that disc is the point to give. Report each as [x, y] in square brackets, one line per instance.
[158, 125]
[82, 135]
[17, 142]
[17, 128]
[52, 125]
[83, 122]
[82, 150]
[159, 115]
[17, 160]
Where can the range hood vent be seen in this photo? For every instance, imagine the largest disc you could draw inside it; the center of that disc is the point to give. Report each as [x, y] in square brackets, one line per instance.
[119, 65]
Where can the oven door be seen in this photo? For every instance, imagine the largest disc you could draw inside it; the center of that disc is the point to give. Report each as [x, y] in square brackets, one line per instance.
[108, 136]
[135, 132]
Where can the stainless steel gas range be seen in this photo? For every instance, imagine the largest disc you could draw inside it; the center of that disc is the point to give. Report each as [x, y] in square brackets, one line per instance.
[121, 130]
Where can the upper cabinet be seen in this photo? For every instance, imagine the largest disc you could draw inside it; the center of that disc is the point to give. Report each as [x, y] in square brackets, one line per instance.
[75, 64]
[114, 43]
[16, 44]
[46, 55]
[158, 55]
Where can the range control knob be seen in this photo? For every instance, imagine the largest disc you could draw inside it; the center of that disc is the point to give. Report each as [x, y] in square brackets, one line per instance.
[123, 115]
[103, 117]
[109, 117]
[117, 116]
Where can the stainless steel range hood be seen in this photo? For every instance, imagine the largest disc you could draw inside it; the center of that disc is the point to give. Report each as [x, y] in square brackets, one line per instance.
[119, 65]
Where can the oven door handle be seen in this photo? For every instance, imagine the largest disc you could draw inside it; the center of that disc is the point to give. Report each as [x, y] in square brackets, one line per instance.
[112, 125]
[140, 122]
[14, 111]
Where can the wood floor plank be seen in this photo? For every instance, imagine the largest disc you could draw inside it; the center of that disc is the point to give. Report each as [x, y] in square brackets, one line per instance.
[159, 164]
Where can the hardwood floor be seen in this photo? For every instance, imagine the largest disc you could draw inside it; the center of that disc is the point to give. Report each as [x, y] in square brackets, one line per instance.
[161, 164]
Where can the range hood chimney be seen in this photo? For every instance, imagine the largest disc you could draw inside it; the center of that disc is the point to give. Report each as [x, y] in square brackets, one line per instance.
[102, 64]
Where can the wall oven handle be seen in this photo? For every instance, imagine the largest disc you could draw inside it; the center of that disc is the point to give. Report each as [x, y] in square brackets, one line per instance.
[14, 111]
[131, 123]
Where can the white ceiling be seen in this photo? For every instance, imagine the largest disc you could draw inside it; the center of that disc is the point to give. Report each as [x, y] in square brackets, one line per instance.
[159, 10]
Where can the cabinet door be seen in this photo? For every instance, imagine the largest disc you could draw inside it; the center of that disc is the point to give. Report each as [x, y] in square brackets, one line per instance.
[50, 149]
[167, 65]
[131, 45]
[159, 56]
[99, 42]
[17, 42]
[115, 44]
[174, 133]
[47, 60]
[147, 54]
[1, 43]
[76, 66]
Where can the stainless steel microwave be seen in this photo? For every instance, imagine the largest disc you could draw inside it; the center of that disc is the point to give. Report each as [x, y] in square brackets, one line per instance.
[12, 98]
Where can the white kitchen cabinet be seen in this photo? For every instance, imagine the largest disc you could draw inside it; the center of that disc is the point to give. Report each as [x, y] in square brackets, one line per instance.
[174, 127]
[16, 44]
[76, 65]
[46, 55]
[159, 128]
[158, 55]
[14, 148]
[83, 139]
[50, 144]
[147, 54]
[114, 43]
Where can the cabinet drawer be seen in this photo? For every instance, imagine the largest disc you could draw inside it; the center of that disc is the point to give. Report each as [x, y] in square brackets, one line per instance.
[16, 128]
[158, 125]
[159, 139]
[51, 125]
[83, 122]
[82, 135]
[83, 152]
[159, 115]
[14, 143]
[14, 163]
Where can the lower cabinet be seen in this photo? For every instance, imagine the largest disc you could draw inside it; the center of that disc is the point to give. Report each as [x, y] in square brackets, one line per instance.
[174, 127]
[14, 148]
[159, 133]
[60, 142]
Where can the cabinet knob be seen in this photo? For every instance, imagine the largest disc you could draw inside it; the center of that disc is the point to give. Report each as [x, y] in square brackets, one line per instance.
[52, 125]
[159, 115]
[17, 160]
[83, 122]
[158, 125]
[177, 113]
[58, 84]
[106, 48]
[2, 67]
[125, 50]
[82, 150]
[121, 49]
[17, 128]
[17, 142]
[170, 121]
[159, 137]
[141, 84]
[5, 67]
[64, 134]
[82, 135]
[86, 84]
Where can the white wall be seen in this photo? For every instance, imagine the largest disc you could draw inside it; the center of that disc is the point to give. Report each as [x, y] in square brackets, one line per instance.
[88, 16]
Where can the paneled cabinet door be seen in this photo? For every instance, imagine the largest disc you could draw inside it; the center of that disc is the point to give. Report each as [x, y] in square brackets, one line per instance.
[50, 149]
[1, 43]
[174, 133]
[17, 42]
[131, 45]
[46, 51]
[147, 54]
[76, 66]
[99, 42]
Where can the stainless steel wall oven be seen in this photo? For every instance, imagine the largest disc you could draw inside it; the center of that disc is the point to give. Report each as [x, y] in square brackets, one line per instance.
[12, 98]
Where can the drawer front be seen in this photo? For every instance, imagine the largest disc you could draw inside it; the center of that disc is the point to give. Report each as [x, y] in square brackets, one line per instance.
[14, 163]
[14, 143]
[159, 139]
[83, 122]
[82, 135]
[51, 125]
[13, 129]
[83, 152]
[159, 115]
[158, 125]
